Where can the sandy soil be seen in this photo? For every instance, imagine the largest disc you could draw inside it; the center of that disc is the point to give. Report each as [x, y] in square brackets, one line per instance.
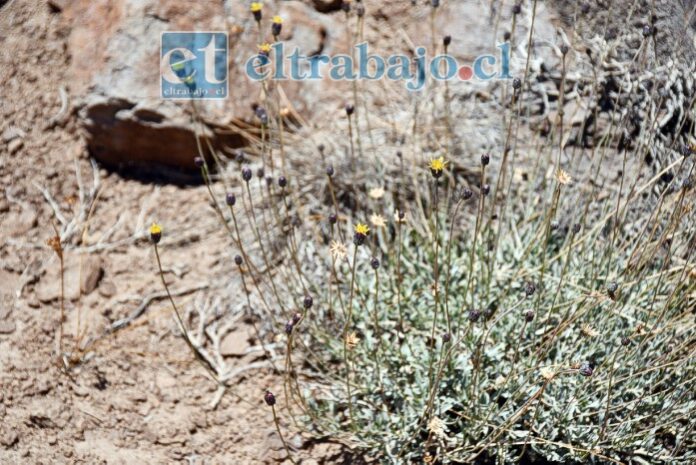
[138, 397]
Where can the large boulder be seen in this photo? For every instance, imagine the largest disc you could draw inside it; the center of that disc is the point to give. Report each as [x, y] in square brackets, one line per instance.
[115, 79]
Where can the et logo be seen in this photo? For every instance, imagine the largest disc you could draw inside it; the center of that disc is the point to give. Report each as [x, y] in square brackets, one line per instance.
[193, 65]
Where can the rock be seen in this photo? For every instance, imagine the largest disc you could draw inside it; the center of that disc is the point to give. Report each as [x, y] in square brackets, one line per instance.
[8, 438]
[91, 273]
[14, 145]
[19, 223]
[235, 343]
[81, 277]
[107, 289]
[48, 288]
[7, 327]
[113, 46]
[12, 133]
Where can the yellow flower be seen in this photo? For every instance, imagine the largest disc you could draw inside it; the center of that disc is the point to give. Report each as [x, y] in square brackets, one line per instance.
[378, 221]
[155, 233]
[265, 48]
[437, 166]
[256, 7]
[362, 229]
[563, 177]
[277, 20]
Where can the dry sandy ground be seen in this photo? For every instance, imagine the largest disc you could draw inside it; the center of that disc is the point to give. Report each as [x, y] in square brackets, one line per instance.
[138, 397]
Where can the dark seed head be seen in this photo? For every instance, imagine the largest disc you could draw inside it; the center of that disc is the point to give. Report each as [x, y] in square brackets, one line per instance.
[612, 287]
[529, 289]
[447, 40]
[486, 189]
[359, 239]
[269, 398]
[374, 263]
[350, 109]
[198, 161]
[516, 83]
[330, 171]
[435, 3]
[238, 260]
[516, 9]
[467, 193]
[296, 317]
[586, 369]
[345, 6]
[585, 8]
[360, 10]
[230, 199]
[564, 49]
[289, 327]
[446, 337]
[308, 302]
[485, 159]
[529, 315]
[246, 174]
[269, 181]
[282, 182]
[625, 341]
[333, 219]
[260, 172]
[647, 30]
[474, 315]
[576, 228]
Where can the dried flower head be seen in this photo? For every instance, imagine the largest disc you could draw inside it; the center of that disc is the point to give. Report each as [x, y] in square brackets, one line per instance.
[563, 177]
[437, 427]
[155, 233]
[54, 243]
[378, 221]
[437, 166]
[548, 373]
[246, 174]
[376, 193]
[352, 340]
[588, 331]
[338, 250]
[374, 263]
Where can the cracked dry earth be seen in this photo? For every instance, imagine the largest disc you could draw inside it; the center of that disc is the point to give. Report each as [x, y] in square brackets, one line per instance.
[138, 396]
